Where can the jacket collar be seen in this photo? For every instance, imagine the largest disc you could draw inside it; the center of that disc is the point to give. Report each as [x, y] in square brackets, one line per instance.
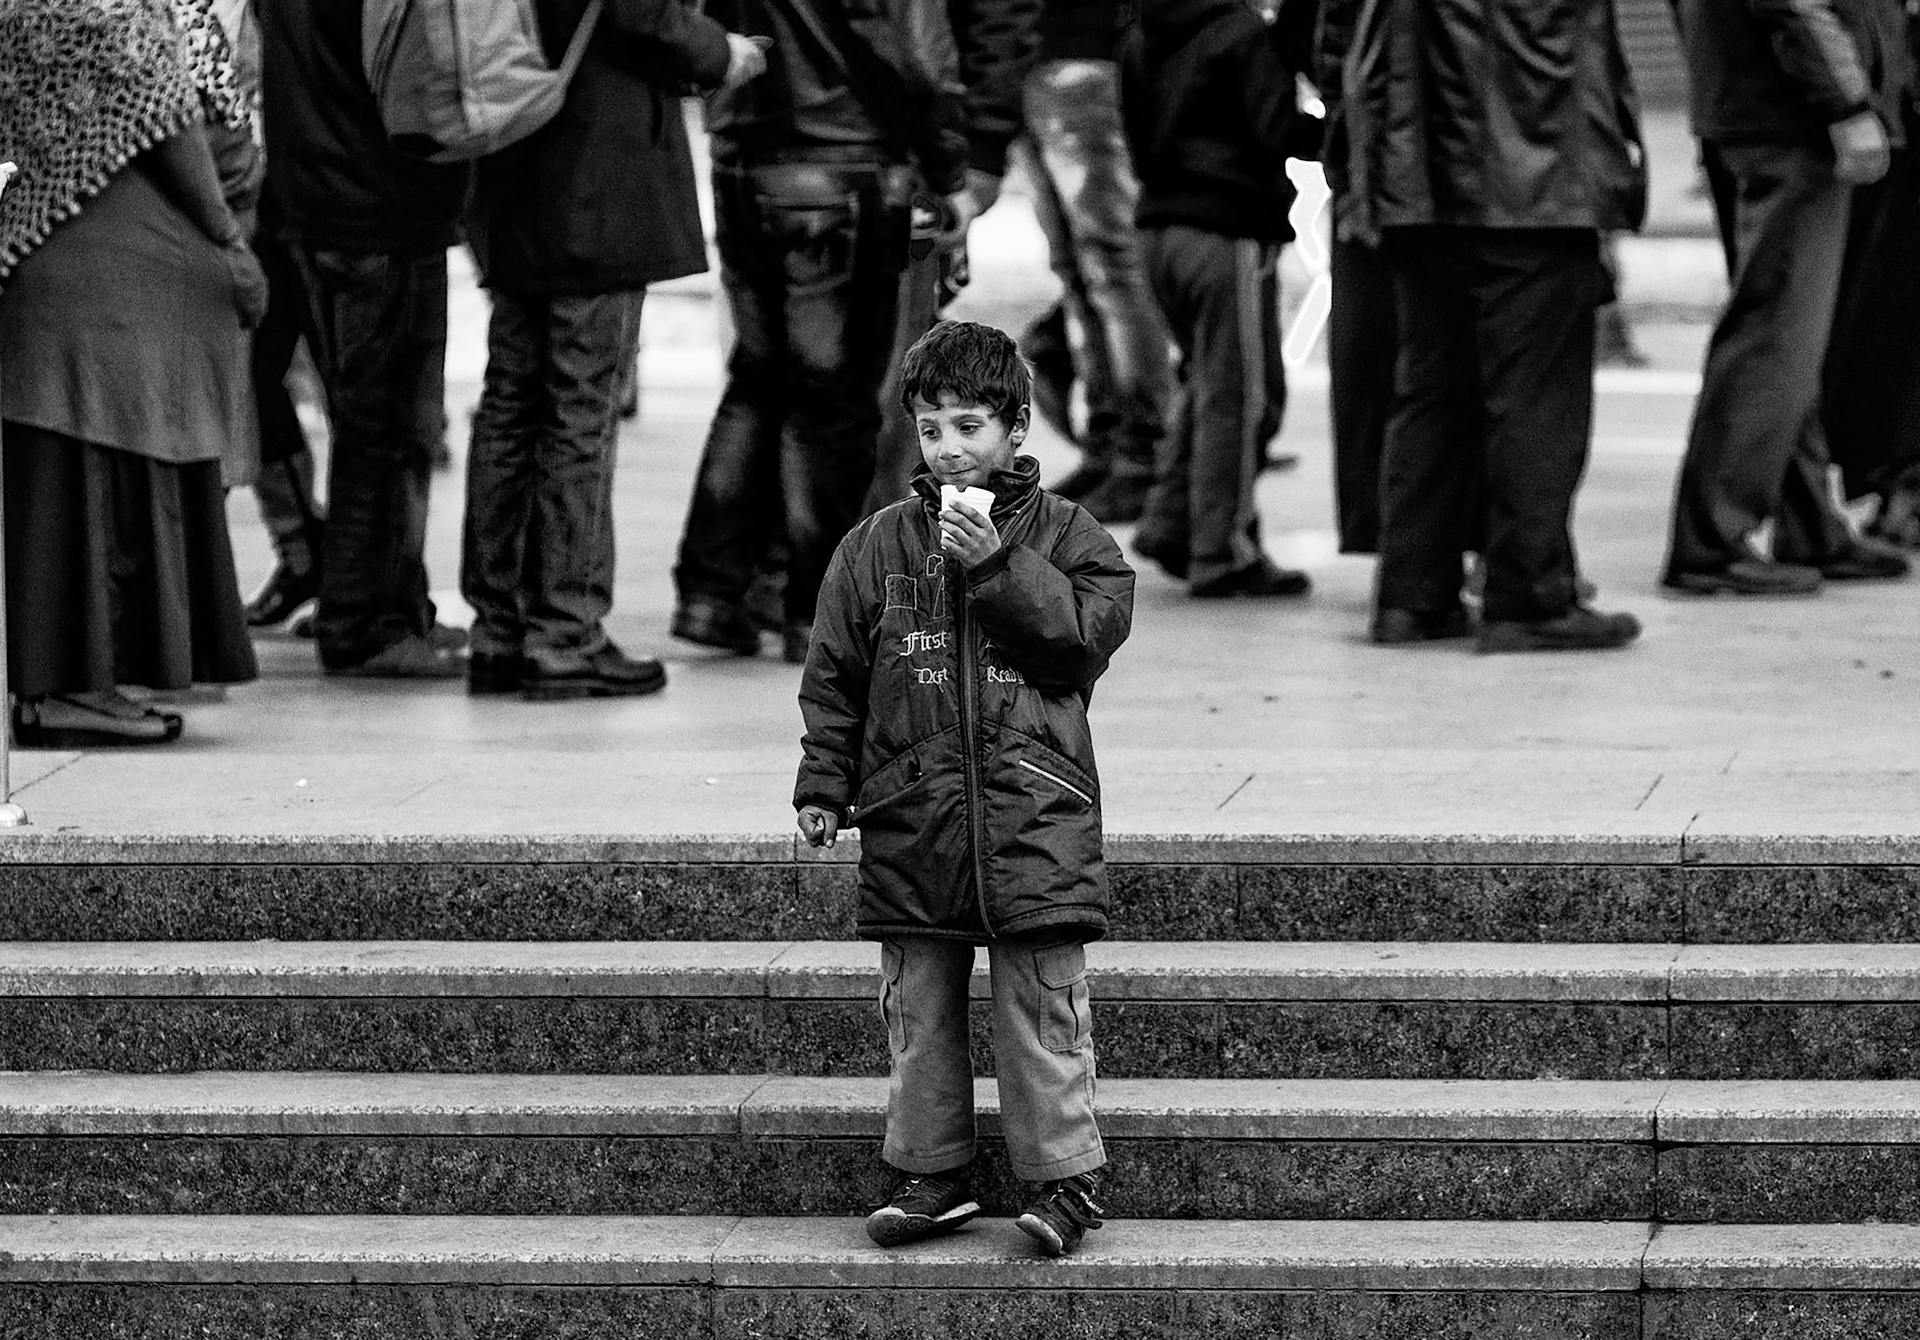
[1013, 488]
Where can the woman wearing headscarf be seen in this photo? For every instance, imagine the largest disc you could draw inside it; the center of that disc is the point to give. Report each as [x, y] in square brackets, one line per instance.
[126, 290]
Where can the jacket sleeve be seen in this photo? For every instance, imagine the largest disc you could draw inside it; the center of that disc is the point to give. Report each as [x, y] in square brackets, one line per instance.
[998, 41]
[1268, 95]
[687, 44]
[833, 691]
[1818, 54]
[1058, 619]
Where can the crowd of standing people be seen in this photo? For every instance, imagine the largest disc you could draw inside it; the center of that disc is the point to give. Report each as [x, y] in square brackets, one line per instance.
[206, 184]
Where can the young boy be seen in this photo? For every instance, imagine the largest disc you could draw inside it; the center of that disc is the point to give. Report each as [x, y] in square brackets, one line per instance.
[1207, 91]
[945, 699]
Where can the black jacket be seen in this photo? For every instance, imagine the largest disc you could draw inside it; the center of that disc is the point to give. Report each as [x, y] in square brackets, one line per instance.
[602, 197]
[946, 715]
[859, 79]
[1491, 114]
[335, 181]
[1083, 29]
[1782, 71]
[1207, 96]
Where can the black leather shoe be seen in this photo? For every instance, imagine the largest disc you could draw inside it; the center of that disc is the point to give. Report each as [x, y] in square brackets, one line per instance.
[1580, 629]
[1265, 578]
[1866, 560]
[1747, 577]
[715, 623]
[284, 592]
[1401, 627]
[1171, 557]
[494, 672]
[607, 673]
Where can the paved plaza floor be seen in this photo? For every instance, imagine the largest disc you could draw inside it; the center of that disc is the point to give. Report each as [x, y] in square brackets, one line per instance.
[1747, 720]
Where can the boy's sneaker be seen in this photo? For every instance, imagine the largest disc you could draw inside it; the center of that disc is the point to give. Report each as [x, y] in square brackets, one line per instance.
[1063, 1214]
[923, 1205]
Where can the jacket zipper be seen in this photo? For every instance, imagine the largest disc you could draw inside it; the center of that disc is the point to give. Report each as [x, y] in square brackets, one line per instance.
[1060, 782]
[971, 765]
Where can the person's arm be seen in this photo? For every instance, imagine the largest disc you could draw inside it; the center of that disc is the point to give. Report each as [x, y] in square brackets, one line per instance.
[183, 167]
[998, 42]
[689, 45]
[1057, 619]
[1818, 55]
[833, 695]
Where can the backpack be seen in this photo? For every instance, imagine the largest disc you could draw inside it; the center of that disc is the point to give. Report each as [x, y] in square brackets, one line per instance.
[457, 79]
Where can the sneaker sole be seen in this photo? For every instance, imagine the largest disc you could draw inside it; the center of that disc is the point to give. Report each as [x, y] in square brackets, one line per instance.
[1043, 1233]
[890, 1227]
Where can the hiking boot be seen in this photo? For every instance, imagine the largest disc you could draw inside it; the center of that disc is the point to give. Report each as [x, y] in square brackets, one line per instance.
[921, 1206]
[1063, 1214]
[1581, 628]
[607, 673]
[716, 623]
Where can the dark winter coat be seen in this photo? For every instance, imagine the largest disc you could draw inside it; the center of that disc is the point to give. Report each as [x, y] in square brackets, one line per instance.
[865, 80]
[1491, 114]
[1207, 96]
[946, 715]
[335, 181]
[1782, 71]
[602, 198]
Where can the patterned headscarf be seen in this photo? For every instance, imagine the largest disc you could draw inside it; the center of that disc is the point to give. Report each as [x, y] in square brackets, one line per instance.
[211, 65]
[84, 86]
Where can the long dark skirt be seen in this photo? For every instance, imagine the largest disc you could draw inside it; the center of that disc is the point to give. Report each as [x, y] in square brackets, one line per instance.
[119, 570]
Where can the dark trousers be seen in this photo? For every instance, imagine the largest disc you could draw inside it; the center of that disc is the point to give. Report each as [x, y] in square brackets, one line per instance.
[1755, 451]
[380, 340]
[285, 483]
[810, 257]
[1221, 299]
[1361, 339]
[537, 550]
[1510, 313]
[898, 452]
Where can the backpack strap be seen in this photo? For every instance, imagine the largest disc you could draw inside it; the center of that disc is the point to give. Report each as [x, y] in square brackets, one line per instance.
[577, 47]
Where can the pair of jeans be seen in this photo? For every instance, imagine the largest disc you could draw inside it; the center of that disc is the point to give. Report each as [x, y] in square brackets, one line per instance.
[1221, 297]
[380, 341]
[284, 486]
[1042, 1056]
[1756, 450]
[536, 548]
[1508, 313]
[811, 254]
[1085, 190]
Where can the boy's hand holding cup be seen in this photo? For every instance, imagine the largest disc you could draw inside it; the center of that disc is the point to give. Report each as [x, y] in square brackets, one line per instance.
[966, 527]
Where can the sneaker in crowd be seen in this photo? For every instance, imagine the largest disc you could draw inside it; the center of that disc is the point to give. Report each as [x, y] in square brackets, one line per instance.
[412, 657]
[606, 673]
[1754, 576]
[1264, 578]
[1063, 1214]
[712, 622]
[1404, 627]
[1581, 628]
[922, 1206]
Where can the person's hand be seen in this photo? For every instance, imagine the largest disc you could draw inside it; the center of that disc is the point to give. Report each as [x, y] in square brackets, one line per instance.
[249, 284]
[969, 537]
[1861, 153]
[818, 825]
[984, 187]
[746, 59]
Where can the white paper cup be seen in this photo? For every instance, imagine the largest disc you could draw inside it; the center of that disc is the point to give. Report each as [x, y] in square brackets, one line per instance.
[979, 499]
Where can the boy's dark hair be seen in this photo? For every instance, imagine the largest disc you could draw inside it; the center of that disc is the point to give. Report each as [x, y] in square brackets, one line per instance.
[974, 364]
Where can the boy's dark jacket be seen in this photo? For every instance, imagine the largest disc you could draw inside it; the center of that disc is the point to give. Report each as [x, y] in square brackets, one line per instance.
[946, 715]
[1208, 101]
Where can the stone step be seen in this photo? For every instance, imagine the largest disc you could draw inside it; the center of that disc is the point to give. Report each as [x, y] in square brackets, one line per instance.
[1227, 1009]
[724, 1278]
[1680, 1151]
[1179, 887]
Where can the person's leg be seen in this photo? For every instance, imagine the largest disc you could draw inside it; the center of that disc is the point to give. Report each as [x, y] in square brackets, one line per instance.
[840, 234]
[1078, 135]
[898, 452]
[1429, 471]
[1534, 295]
[1043, 1057]
[1361, 337]
[500, 480]
[284, 486]
[380, 328]
[735, 503]
[1761, 386]
[1163, 532]
[923, 1002]
[588, 342]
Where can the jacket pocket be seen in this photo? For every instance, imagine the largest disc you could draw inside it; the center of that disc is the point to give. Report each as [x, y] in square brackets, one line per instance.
[1048, 774]
[1065, 1004]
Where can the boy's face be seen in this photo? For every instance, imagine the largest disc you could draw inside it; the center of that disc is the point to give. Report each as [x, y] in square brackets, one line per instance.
[963, 444]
